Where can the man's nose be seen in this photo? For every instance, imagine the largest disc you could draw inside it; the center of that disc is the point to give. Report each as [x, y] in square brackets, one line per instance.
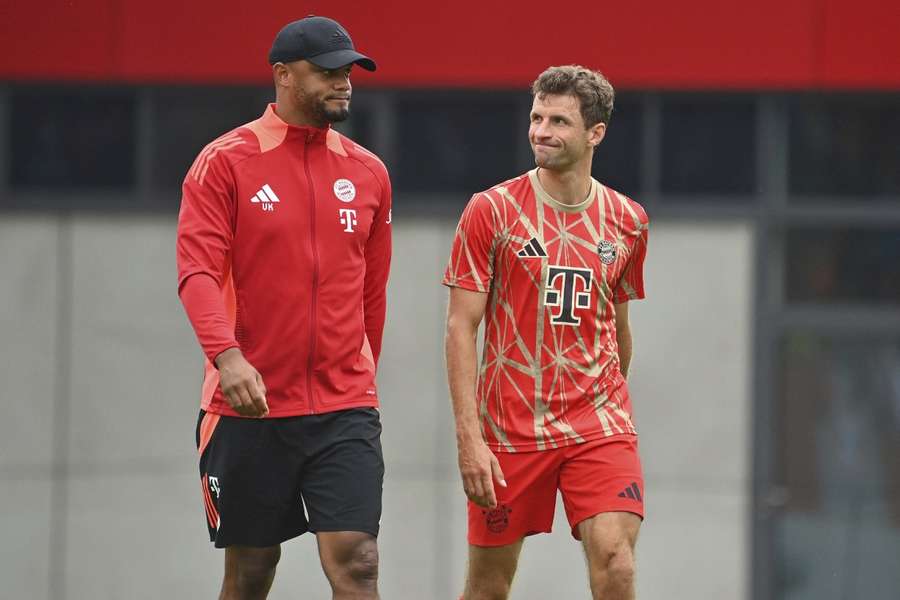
[541, 131]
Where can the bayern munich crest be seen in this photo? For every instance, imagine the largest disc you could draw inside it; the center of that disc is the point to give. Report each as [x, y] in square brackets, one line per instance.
[607, 252]
[344, 190]
[497, 519]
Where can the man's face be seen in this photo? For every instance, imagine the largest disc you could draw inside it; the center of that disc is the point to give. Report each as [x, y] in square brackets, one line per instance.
[322, 94]
[557, 133]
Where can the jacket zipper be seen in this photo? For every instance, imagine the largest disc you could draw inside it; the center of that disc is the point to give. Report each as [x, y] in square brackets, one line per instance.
[315, 279]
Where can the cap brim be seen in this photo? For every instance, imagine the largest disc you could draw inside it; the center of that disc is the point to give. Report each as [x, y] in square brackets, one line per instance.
[342, 58]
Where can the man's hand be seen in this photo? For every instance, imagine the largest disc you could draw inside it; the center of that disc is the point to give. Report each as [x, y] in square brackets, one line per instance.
[241, 384]
[479, 467]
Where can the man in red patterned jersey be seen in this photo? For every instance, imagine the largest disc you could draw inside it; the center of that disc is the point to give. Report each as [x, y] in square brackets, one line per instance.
[284, 245]
[550, 260]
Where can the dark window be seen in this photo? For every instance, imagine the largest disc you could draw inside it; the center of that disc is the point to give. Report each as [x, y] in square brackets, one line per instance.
[843, 265]
[72, 139]
[708, 145]
[837, 500]
[617, 161]
[187, 119]
[457, 143]
[360, 127]
[845, 146]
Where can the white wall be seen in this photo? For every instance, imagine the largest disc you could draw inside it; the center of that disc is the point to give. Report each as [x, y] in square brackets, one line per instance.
[121, 515]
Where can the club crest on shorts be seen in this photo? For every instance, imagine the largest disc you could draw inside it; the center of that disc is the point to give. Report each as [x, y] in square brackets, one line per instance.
[607, 252]
[497, 519]
[344, 190]
[214, 486]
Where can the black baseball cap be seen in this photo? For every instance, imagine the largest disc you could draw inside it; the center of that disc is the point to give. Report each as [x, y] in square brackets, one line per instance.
[321, 41]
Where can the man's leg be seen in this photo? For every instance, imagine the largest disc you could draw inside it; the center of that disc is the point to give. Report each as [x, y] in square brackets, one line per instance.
[524, 507]
[490, 571]
[249, 572]
[603, 491]
[341, 487]
[251, 498]
[350, 562]
[609, 540]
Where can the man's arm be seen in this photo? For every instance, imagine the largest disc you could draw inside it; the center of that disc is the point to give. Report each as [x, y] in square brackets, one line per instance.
[477, 464]
[241, 384]
[623, 337]
[203, 242]
[378, 267]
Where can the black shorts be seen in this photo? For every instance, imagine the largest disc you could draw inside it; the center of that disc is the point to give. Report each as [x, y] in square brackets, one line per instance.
[255, 472]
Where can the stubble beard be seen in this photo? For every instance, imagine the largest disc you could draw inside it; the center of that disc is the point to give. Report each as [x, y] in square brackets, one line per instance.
[319, 111]
[556, 162]
[330, 115]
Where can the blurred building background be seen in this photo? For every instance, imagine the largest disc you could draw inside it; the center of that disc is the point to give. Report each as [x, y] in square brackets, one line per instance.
[763, 139]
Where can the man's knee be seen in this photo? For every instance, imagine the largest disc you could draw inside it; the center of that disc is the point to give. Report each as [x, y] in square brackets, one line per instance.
[616, 565]
[487, 584]
[621, 566]
[487, 588]
[490, 571]
[352, 564]
[252, 568]
[362, 567]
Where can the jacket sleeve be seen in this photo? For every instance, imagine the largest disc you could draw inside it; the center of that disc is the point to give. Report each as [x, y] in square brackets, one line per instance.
[378, 264]
[203, 244]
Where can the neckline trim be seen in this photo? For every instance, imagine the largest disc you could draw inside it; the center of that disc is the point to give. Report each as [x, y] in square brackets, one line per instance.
[546, 198]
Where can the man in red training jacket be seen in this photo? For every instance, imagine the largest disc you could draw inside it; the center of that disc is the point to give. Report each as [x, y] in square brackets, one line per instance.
[284, 247]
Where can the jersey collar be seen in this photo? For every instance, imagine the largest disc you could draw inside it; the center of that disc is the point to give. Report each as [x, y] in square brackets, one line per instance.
[546, 198]
[274, 126]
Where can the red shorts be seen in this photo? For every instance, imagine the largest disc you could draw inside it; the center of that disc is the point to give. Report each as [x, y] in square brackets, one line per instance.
[595, 477]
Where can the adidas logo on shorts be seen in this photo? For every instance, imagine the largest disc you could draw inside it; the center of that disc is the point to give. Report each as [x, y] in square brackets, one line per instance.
[632, 492]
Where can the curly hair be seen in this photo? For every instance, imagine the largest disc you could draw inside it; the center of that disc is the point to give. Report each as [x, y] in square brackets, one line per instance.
[594, 92]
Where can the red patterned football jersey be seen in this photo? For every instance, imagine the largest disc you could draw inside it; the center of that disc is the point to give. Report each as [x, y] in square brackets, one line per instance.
[550, 373]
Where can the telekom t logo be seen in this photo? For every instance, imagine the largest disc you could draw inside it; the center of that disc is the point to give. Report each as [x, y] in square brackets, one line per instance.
[562, 283]
[348, 219]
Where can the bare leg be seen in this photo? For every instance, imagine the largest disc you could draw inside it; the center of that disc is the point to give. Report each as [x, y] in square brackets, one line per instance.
[350, 562]
[249, 572]
[491, 571]
[609, 540]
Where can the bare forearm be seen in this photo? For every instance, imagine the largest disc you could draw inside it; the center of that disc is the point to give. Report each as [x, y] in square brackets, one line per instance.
[623, 338]
[462, 365]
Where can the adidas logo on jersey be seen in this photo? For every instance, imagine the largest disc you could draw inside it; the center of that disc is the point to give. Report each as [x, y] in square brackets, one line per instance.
[265, 196]
[533, 249]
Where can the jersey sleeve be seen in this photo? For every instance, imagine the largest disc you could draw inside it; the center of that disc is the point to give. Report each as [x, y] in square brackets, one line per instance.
[203, 243]
[202, 300]
[631, 282]
[378, 266]
[471, 264]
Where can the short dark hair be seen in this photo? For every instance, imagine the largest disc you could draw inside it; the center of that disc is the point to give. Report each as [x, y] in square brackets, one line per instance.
[594, 92]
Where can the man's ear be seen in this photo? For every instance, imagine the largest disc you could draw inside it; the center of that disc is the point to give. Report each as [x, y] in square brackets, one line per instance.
[596, 134]
[281, 74]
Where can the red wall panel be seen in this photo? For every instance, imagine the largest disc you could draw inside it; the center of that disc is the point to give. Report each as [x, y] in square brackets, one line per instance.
[196, 38]
[60, 38]
[655, 43]
[861, 43]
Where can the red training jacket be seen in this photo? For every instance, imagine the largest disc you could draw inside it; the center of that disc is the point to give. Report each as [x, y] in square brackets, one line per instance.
[284, 248]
